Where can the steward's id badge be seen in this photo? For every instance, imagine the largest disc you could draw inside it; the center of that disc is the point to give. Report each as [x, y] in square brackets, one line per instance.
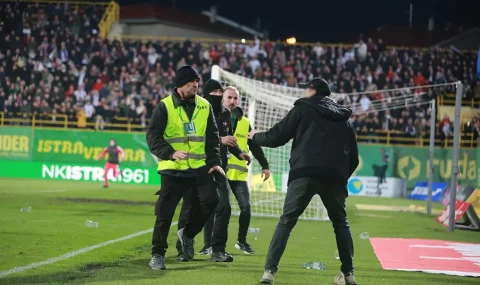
[189, 129]
[229, 155]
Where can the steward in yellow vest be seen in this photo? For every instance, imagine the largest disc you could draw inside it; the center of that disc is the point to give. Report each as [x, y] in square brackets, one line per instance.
[183, 135]
[238, 170]
[216, 228]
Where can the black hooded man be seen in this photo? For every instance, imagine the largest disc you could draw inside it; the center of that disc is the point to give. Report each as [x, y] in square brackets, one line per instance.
[324, 155]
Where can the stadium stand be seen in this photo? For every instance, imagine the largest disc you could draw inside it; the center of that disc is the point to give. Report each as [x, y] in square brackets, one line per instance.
[58, 70]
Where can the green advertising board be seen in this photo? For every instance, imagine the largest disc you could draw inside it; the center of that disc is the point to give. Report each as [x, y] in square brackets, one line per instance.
[71, 146]
[52, 153]
[75, 172]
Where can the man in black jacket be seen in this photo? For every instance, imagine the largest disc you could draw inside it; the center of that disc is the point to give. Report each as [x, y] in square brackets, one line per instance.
[183, 135]
[216, 228]
[324, 155]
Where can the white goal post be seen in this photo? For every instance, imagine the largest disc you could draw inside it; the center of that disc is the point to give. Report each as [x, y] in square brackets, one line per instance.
[265, 104]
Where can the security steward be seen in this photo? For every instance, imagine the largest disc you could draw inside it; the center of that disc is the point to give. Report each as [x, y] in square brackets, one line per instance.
[183, 135]
[216, 228]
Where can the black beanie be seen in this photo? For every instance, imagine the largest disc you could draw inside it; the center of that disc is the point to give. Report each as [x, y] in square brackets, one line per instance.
[185, 74]
[210, 86]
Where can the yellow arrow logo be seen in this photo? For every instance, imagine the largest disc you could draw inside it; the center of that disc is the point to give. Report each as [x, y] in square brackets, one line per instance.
[408, 167]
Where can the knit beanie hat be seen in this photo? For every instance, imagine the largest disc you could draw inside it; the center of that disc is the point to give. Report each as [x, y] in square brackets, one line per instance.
[185, 74]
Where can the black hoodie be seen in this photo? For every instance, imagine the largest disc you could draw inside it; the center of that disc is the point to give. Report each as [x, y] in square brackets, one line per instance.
[223, 118]
[324, 142]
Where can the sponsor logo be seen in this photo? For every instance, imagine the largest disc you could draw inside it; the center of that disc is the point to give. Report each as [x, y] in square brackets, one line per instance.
[355, 186]
[93, 173]
[420, 191]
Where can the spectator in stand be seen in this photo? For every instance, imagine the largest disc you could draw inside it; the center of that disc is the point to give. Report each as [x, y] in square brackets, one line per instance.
[54, 53]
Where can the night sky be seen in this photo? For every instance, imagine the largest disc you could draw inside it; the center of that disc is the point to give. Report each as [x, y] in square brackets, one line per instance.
[333, 20]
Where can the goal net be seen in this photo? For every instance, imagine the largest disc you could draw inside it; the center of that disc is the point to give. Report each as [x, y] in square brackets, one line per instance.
[265, 104]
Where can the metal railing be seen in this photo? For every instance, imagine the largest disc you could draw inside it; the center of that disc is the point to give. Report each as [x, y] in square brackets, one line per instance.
[449, 100]
[123, 124]
[111, 15]
[63, 121]
[467, 140]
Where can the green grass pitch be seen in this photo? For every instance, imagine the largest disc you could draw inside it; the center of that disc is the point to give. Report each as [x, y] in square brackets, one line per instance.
[56, 226]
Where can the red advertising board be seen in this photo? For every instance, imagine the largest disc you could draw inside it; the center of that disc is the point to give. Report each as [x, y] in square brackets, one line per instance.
[432, 256]
[460, 209]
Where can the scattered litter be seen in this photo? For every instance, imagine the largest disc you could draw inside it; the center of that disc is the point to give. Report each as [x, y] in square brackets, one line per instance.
[315, 265]
[91, 224]
[27, 209]
[364, 235]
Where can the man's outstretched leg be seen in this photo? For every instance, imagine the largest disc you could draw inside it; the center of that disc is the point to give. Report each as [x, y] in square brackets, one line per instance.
[334, 198]
[299, 194]
[106, 169]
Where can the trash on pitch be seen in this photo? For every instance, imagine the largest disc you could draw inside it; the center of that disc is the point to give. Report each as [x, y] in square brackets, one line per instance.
[315, 265]
[253, 230]
[91, 224]
[337, 255]
[27, 209]
[364, 235]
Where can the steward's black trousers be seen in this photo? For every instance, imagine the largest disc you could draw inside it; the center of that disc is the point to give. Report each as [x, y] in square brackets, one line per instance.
[203, 199]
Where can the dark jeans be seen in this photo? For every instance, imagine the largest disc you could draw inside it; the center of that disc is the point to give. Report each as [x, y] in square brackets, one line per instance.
[215, 233]
[299, 194]
[240, 190]
[203, 200]
[381, 175]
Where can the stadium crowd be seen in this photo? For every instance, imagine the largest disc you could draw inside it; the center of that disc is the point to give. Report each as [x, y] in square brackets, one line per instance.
[52, 61]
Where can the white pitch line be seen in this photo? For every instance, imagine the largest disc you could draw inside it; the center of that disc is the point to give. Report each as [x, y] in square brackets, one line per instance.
[74, 253]
[33, 191]
[442, 258]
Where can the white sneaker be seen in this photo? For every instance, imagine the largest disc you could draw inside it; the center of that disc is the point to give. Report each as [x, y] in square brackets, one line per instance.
[267, 277]
[345, 279]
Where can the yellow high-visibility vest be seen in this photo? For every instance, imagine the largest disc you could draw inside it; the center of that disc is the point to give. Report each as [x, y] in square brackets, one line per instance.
[237, 169]
[185, 135]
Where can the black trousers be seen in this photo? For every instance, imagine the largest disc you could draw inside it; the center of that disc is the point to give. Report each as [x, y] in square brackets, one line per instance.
[240, 190]
[382, 174]
[203, 200]
[299, 194]
[216, 227]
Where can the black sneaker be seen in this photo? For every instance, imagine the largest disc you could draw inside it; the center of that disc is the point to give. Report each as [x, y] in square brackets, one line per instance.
[221, 257]
[267, 278]
[187, 245]
[182, 258]
[105, 186]
[245, 247]
[157, 262]
[206, 250]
